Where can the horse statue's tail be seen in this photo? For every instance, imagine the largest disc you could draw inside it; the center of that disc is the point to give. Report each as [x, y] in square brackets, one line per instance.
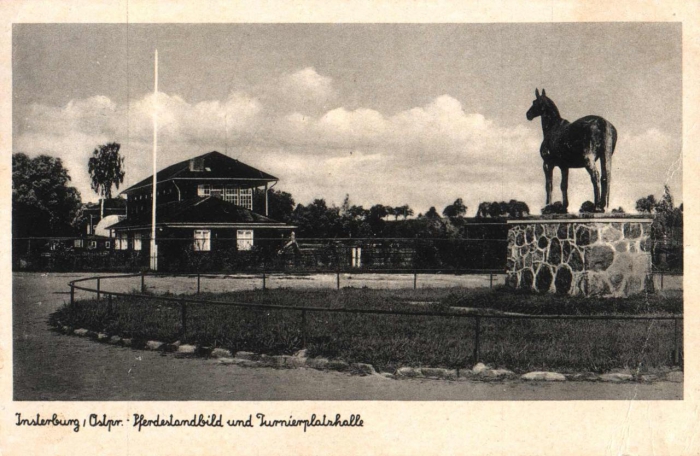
[606, 161]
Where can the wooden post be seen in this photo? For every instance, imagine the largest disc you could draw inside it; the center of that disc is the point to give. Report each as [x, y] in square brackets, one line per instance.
[303, 329]
[415, 279]
[662, 280]
[264, 280]
[72, 294]
[491, 280]
[109, 304]
[143, 281]
[476, 340]
[198, 279]
[98, 288]
[337, 280]
[183, 319]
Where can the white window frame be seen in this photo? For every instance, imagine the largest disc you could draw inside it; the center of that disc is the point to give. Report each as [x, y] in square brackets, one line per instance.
[93, 245]
[244, 240]
[356, 257]
[203, 190]
[137, 241]
[78, 243]
[121, 242]
[202, 240]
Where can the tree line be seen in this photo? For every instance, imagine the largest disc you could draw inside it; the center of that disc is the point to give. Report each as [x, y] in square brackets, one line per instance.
[45, 204]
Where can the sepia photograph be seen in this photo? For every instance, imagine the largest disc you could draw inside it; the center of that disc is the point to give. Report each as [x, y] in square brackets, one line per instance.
[347, 212]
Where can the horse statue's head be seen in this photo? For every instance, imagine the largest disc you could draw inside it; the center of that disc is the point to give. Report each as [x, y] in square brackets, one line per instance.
[539, 105]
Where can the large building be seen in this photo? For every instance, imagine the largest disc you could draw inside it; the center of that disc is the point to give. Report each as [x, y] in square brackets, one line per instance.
[203, 204]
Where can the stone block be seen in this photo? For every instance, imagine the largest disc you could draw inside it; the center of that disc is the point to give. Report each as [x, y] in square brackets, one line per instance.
[554, 253]
[544, 376]
[338, 365]
[563, 279]
[102, 337]
[479, 368]
[155, 345]
[600, 257]
[616, 377]
[82, 332]
[245, 355]
[543, 279]
[362, 369]
[317, 363]
[221, 353]
[186, 349]
[675, 376]
[410, 372]
[497, 373]
[114, 340]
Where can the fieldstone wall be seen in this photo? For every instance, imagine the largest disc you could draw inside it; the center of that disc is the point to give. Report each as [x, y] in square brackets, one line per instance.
[580, 256]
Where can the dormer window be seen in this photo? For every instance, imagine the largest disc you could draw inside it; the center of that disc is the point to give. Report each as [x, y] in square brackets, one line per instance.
[197, 164]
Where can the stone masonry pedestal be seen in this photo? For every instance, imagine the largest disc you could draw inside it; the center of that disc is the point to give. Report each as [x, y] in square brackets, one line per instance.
[597, 255]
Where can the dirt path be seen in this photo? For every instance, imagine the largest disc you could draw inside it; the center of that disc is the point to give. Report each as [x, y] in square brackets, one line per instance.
[51, 366]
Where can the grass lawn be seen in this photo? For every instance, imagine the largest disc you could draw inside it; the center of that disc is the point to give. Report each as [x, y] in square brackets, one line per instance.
[391, 341]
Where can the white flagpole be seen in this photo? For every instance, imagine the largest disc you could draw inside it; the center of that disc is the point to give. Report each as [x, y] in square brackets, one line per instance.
[154, 246]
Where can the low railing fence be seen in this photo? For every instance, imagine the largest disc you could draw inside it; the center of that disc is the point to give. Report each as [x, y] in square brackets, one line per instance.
[183, 302]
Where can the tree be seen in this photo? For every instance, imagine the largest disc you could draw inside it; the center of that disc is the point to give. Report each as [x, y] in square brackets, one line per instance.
[280, 205]
[42, 202]
[404, 210]
[105, 168]
[512, 209]
[432, 213]
[456, 209]
[646, 205]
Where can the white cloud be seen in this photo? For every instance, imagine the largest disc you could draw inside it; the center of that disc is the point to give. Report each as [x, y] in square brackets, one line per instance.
[424, 156]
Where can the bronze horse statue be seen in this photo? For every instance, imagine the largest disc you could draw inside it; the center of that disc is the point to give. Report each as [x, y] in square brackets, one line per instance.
[575, 145]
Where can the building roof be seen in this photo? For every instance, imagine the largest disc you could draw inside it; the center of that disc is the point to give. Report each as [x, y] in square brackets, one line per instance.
[202, 212]
[212, 165]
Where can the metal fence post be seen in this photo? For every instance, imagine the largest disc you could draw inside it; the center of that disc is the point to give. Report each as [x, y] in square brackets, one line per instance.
[303, 329]
[415, 279]
[143, 281]
[662, 280]
[98, 288]
[491, 280]
[676, 345]
[476, 340]
[183, 319]
[337, 279]
[198, 278]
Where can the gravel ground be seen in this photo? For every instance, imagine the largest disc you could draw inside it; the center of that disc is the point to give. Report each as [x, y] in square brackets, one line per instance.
[51, 366]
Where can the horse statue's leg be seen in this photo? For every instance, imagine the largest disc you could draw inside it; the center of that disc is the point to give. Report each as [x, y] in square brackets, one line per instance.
[548, 171]
[595, 178]
[564, 186]
[606, 164]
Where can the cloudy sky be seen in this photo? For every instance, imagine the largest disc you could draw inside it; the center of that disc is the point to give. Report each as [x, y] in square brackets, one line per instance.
[391, 114]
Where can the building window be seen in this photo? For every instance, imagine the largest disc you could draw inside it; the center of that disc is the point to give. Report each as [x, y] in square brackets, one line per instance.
[93, 245]
[203, 190]
[107, 244]
[202, 240]
[356, 257]
[122, 242]
[244, 239]
[78, 243]
[246, 199]
[137, 241]
[239, 196]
